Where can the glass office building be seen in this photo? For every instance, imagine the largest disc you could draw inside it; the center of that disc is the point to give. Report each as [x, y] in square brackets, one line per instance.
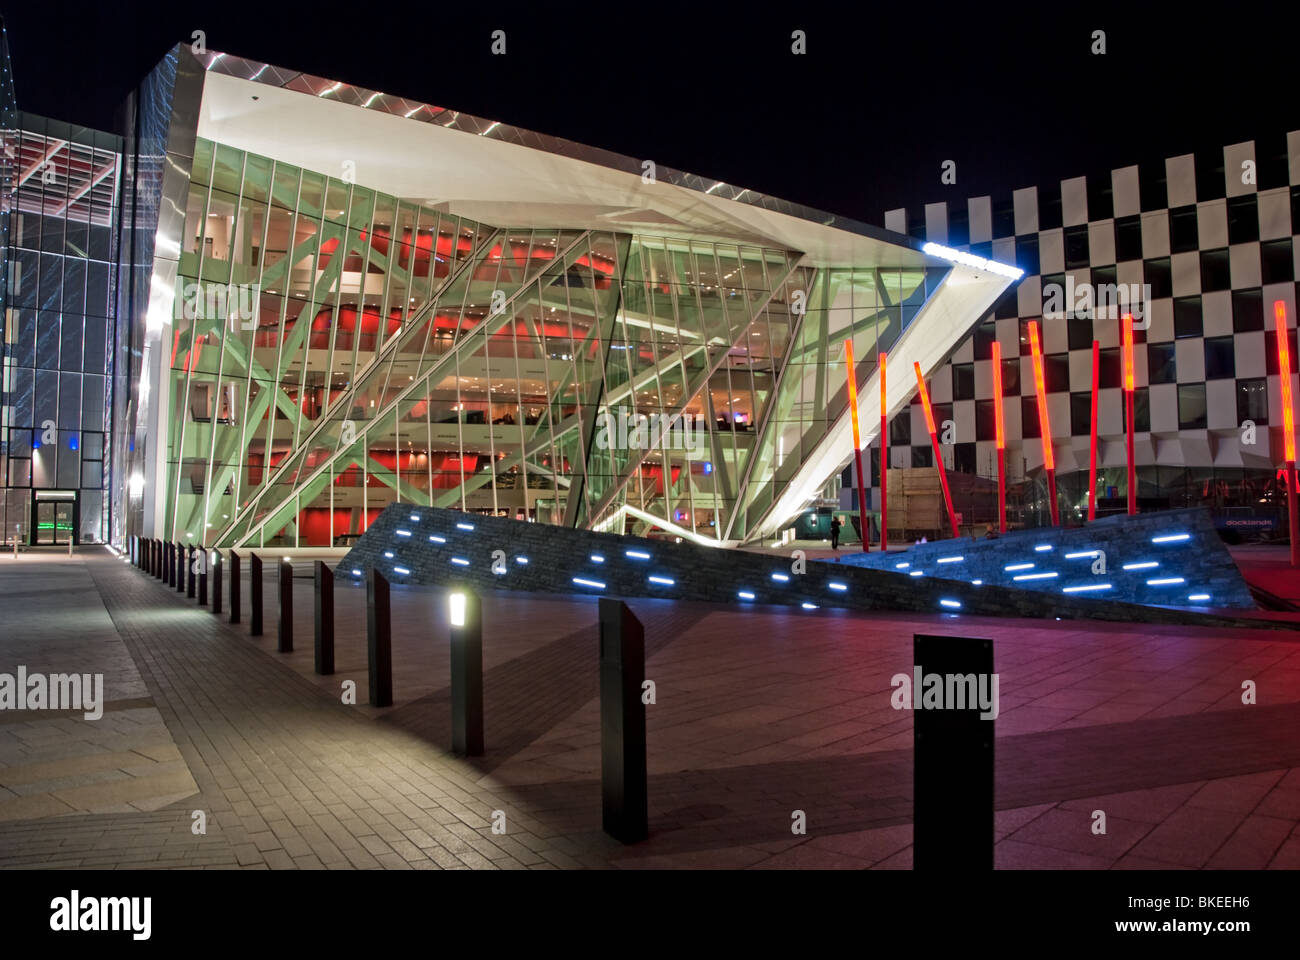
[334, 299]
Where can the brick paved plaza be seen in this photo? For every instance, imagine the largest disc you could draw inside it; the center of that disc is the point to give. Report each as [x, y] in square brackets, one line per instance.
[759, 713]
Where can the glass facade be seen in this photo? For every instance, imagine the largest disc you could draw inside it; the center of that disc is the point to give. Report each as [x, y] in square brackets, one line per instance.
[58, 344]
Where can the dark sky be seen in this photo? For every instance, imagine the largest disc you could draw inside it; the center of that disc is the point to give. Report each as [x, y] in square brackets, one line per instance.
[859, 124]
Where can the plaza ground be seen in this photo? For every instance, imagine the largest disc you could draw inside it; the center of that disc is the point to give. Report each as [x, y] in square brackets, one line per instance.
[759, 713]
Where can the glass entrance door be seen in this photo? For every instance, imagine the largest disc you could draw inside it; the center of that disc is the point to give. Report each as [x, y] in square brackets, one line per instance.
[53, 521]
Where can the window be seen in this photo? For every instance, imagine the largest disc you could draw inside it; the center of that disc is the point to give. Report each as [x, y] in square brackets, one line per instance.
[1027, 254]
[1153, 185]
[922, 457]
[958, 225]
[1187, 317]
[986, 427]
[1252, 401]
[1243, 219]
[1025, 350]
[1215, 272]
[1276, 265]
[963, 457]
[1076, 247]
[985, 334]
[1191, 406]
[1008, 304]
[1111, 366]
[1079, 333]
[1049, 207]
[1220, 358]
[1210, 183]
[1010, 376]
[1081, 414]
[1056, 372]
[1270, 348]
[1247, 310]
[1004, 217]
[1029, 417]
[1159, 275]
[1182, 229]
[1128, 239]
[900, 429]
[1101, 200]
[1161, 366]
[963, 381]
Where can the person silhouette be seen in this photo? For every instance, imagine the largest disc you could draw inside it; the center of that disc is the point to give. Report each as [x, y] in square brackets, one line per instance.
[835, 533]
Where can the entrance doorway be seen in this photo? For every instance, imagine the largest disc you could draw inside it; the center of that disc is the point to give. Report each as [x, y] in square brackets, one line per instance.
[55, 517]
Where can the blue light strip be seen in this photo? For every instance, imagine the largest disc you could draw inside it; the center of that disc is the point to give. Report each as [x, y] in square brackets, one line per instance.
[400, 570]
[901, 566]
[1085, 553]
[841, 587]
[666, 581]
[388, 554]
[589, 583]
[781, 577]
[1198, 596]
[464, 526]
[637, 554]
[460, 561]
[808, 606]
[1165, 581]
[403, 533]
[523, 560]
[1145, 565]
[415, 517]
[1042, 548]
[436, 539]
[1037, 576]
[1086, 588]
[916, 573]
[952, 604]
[1172, 538]
[745, 595]
[1017, 566]
[597, 558]
[356, 573]
[977, 583]
[950, 559]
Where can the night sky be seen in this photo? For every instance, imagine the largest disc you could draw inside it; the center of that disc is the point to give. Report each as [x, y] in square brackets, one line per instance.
[859, 124]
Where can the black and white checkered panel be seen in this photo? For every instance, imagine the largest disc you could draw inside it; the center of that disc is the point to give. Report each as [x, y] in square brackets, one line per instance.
[1215, 234]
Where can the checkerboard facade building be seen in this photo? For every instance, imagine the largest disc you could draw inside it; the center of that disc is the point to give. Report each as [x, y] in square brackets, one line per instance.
[1216, 235]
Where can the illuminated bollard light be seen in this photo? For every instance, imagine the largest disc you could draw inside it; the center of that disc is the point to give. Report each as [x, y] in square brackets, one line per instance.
[624, 805]
[285, 644]
[466, 673]
[255, 596]
[379, 639]
[324, 582]
[952, 796]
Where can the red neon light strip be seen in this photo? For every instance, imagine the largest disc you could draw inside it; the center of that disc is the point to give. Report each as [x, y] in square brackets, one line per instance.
[1000, 433]
[1129, 418]
[1284, 377]
[938, 454]
[1092, 445]
[884, 461]
[1040, 388]
[857, 443]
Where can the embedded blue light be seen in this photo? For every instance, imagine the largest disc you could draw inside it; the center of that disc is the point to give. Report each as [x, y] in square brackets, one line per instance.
[1042, 548]
[464, 526]
[415, 517]
[356, 573]
[589, 583]
[780, 576]
[1017, 566]
[1165, 581]
[1086, 588]
[978, 583]
[1036, 576]
[951, 604]
[523, 560]
[597, 558]
[917, 573]
[72, 443]
[808, 606]
[1198, 596]
[708, 468]
[745, 595]
[403, 533]
[460, 561]
[434, 538]
[841, 587]
[1172, 538]
[388, 554]
[957, 559]
[637, 554]
[901, 566]
[666, 581]
[1144, 565]
[400, 570]
[1082, 553]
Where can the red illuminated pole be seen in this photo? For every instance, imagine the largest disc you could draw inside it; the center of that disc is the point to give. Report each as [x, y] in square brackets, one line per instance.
[857, 445]
[938, 454]
[1000, 433]
[1044, 425]
[1092, 448]
[1288, 427]
[884, 463]
[1129, 387]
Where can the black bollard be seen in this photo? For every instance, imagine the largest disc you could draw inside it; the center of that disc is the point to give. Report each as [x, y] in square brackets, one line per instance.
[191, 580]
[324, 619]
[201, 554]
[624, 804]
[178, 567]
[234, 587]
[285, 644]
[167, 562]
[466, 673]
[157, 569]
[379, 639]
[255, 595]
[952, 794]
[216, 582]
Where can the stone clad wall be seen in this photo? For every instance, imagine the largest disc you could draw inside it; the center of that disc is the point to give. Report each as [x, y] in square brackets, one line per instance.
[1202, 560]
[556, 555]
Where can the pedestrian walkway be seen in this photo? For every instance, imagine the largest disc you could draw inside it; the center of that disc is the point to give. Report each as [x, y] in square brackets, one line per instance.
[758, 713]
